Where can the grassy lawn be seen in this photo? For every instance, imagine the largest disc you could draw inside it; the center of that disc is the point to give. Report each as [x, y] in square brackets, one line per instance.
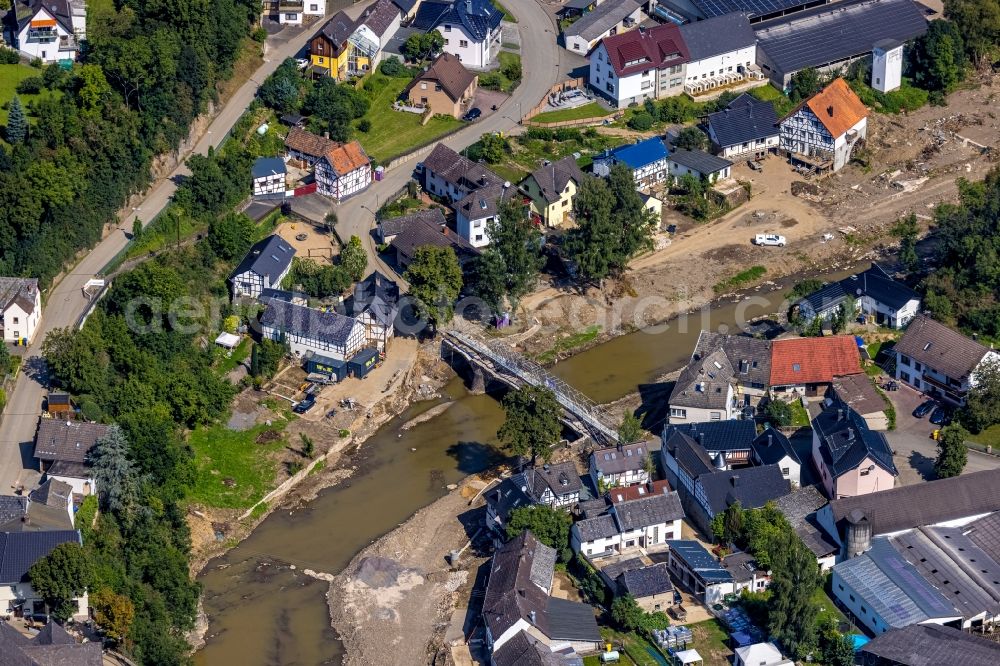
[10, 76]
[800, 417]
[571, 342]
[768, 93]
[394, 133]
[238, 355]
[507, 16]
[741, 279]
[988, 437]
[826, 605]
[496, 80]
[592, 110]
[710, 641]
[233, 470]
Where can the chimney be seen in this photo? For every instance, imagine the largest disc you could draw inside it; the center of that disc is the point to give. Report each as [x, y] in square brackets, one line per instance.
[326, 135]
[531, 615]
[701, 438]
[770, 439]
[829, 111]
[735, 480]
[840, 414]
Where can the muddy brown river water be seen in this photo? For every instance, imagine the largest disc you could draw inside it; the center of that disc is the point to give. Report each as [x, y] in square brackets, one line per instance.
[264, 613]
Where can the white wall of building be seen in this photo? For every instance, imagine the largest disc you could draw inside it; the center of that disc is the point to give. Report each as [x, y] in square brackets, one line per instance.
[45, 48]
[724, 63]
[16, 592]
[473, 230]
[471, 53]
[679, 170]
[19, 324]
[80, 486]
[887, 69]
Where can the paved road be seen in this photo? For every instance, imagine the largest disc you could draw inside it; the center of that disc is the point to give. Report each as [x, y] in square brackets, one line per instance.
[544, 65]
[66, 303]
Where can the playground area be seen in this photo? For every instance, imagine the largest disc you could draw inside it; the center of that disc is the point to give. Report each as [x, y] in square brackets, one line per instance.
[310, 241]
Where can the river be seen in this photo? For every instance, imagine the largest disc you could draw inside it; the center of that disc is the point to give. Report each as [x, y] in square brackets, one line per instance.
[262, 612]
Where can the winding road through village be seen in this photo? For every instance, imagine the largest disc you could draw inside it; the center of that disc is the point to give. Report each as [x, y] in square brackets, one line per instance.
[543, 65]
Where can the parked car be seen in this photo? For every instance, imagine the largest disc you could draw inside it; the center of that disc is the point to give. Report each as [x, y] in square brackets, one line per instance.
[940, 416]
[924, 409]
[304, 405]
[769, 239]
[753, 165]
[472, 114]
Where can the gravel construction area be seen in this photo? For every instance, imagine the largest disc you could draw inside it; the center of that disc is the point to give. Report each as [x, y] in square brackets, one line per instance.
[392, 604]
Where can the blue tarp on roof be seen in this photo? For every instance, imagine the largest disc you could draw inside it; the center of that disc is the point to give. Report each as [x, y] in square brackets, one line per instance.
[638, 155]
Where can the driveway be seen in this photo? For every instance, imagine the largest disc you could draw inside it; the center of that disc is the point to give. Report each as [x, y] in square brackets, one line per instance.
[911, 441]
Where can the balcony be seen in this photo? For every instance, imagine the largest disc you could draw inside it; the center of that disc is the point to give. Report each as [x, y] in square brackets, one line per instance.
[291, 5]
[743, 78]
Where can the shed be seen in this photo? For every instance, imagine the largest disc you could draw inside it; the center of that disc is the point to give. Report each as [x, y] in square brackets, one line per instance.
[363, 362]
[58, 403]
[336, 369]
[227, 340]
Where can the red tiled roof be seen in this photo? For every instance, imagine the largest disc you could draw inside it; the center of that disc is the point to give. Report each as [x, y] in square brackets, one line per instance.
[308, 143]
[347, 157]
[657, 47]
[629, 493]
[813, 360]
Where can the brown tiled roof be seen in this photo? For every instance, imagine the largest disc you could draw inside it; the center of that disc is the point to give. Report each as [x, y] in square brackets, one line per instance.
[347, 157]
[425, 232]
[940, 347]
[337, 30]
[837, 107]
[379, 16]
[450, 73]
[308, 143]
[459, 170]
[629, 493]
[552, 179]
[813, 360]
[66, 440]
[859, 393]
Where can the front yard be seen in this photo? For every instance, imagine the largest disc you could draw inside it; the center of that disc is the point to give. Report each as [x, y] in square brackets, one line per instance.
[395, 133]
[10, 76]
[592, 110]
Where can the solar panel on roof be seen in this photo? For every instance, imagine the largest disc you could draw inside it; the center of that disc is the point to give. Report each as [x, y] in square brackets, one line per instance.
[711, 8]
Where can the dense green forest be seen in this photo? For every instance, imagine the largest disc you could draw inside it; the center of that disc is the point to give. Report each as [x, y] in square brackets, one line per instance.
[149, 67]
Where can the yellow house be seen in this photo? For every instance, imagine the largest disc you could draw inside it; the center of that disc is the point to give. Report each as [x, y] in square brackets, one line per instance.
[329, 50]
[552, 189]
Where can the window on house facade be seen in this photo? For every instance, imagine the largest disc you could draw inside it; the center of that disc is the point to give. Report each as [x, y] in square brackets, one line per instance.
[314, 8]
[17, 320]
[463, 43]
[447, 28]
[917, 366]
[423, 85]
[905, 376]
[680, 413]
[715, 416]
[288, 17]
[437, 87]
[784, 471]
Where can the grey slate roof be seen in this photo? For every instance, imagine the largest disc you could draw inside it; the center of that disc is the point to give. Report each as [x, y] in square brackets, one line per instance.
[396, 225]
[718, 35]
[20, 550]
[750, 357]
[717, 361]
[616, 569]
[52, 646]
[926, 503]
[800, 507]
[741, 565]
[554, 178]
[267, 166]
[68, 441]
[771, 446]
[648, 511]
[270, 256]
[19, 290]
[645, 581]
[746, 119]
[594, 507]
[858, 392]
[874, 282]
[690, 455]
[560, 478]
[523, 649]
[602, 18]
[459, 170]
[425, 231]
[507, 496]
[517, 585]
[702, 162]
[752, 487]
[599, 527]
[729, 435]
[831, 33]
[699, 560]
[12, 509]
[845, 440]
[484, 201]
[940, 347]
[571, 621]
[931, 645]
[611, 460]
[328, 327]
[704, 383]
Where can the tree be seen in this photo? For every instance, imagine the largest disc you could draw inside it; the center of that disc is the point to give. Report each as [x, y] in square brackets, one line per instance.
[61, 577]
[308, 447]
[613, 224]
[6, 361]
[113, 612]
[838, 650]
[953, 454]
[937, 58]
[982, 405]
[978, 22]
[778, 413]
[804, 84]
[231, 235]
[492, 147]
[265, 357]
[906, 230]
[630, 430]
[691, 138]
[136, 228]
[795, 576]
[354, 259]
[419, 47]
[435, 281]
[640, 121]
[116, 475]
[549, 525]
[17, 122]
[510, 263]
[532, 425]
[732, 523]
[627, 613]
[281, 89]
[392, 67]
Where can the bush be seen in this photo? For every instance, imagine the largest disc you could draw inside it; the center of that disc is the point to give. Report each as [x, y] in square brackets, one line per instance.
[539, 133]
[91, 411]
[364, 125]
[568, 134]
[259, 35]
[512, 70]
[31, 85]
[9, 56]
[779, 413]
[491, 81]
[641, 121]
[392, 67]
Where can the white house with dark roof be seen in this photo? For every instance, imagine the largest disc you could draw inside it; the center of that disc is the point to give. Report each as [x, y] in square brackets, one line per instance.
[851, 458]
[305, 330]
[20, 309]
[62, 448]
[875, 294]
[771, 447]
[940, 361]
[723, 52]
[50, 30]
[478, 209]
[376, 304]
[746, 127]
[264, 267]
[18, 553]
[646, 522]
[623, 465]
[641, 64]
[698, 163]
[268, 176]
[453, 176]
[471, 29]
[698, 571]
[294, 12]
[555, 485]
[608, 18]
